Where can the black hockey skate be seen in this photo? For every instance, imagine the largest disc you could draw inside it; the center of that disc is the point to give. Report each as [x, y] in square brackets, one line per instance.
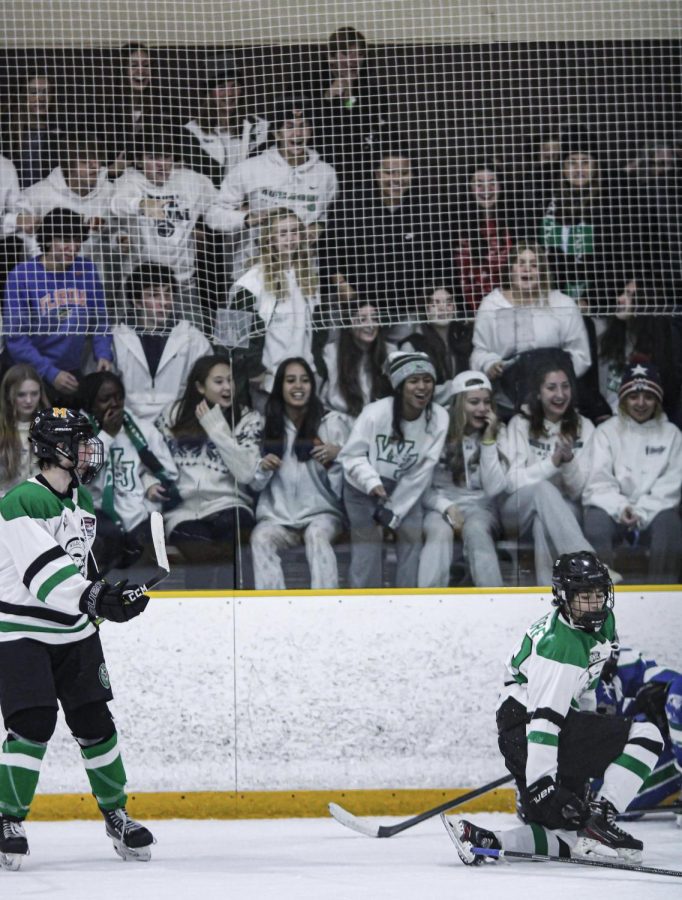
[601, 836]
[131, 840]
[13, 843]
[465, 835]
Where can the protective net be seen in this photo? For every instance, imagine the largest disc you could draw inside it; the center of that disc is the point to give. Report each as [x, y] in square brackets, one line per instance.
[476, 180]
[373, 153]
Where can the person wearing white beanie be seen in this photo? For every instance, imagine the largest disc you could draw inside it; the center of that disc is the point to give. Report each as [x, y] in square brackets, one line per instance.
[388, 462]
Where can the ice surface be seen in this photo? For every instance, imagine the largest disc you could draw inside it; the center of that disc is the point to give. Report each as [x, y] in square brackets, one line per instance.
[315, 859]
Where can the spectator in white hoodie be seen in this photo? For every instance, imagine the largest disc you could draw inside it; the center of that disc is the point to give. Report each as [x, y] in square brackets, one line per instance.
[215, 444]
[81, 183]
[388, 463]
[548, 450]
[154, 350]
[635, 478]
[138, 476]
[159, 204]
[299, 481]
[289, 174]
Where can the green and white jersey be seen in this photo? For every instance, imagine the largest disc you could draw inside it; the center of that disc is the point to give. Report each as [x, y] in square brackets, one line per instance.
[555, 669]
[44, 544]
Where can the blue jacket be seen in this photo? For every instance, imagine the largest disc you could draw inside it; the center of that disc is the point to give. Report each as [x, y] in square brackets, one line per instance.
[48, 315]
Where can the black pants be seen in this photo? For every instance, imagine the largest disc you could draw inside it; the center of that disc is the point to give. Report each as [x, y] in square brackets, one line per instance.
[115, 548]
[588, 743]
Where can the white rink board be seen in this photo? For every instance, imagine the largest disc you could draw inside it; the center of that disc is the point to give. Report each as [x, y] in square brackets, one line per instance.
[347, 692]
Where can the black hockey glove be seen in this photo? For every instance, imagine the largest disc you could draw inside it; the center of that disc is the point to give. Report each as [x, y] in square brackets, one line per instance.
[115, 602]
[549, 804]
[650, 702]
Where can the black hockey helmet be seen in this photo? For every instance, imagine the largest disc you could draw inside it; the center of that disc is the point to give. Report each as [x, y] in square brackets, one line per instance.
[58, 433]
[581, 573]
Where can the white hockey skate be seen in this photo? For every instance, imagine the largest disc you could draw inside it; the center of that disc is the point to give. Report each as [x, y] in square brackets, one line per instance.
[13, 844]
[131, 839]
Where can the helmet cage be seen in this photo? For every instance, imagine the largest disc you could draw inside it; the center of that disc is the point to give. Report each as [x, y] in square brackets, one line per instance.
[58, 434]
[582, 573]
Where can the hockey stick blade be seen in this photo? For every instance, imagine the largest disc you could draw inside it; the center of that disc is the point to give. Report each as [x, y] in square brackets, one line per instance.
[159, 541]
[344, 817]
[574, 861]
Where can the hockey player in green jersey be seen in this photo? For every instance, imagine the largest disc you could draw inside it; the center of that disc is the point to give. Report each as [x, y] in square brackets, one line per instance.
[553, 740]
[50, 650]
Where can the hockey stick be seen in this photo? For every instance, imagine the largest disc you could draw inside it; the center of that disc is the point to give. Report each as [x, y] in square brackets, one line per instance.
[385, 831]
[159, 541]
[540, 857]
[575, 861]
[650, 811]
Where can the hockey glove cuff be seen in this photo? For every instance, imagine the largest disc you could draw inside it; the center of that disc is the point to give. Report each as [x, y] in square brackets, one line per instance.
[553, 806]
[115, 602]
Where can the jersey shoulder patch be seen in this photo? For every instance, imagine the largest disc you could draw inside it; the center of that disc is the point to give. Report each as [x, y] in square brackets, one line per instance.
[31, 500]
[566, 645]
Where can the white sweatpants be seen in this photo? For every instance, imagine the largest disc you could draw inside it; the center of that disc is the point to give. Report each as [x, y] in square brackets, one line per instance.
[269, 538]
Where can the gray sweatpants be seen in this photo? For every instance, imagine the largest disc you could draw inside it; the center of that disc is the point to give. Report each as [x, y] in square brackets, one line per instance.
[543, 510]
[269, 538]
[367, 542]
[480, 526]
[663, 537]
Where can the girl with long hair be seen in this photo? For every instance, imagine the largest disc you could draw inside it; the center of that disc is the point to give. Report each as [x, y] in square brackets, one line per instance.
[354, 364]
[388, 463]
[462, 503]
[272, 304]
[22, 394]
[298, 480]
[214, 442]
[548, 468]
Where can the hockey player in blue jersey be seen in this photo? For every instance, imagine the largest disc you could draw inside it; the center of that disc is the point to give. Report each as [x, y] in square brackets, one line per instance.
[632, 685]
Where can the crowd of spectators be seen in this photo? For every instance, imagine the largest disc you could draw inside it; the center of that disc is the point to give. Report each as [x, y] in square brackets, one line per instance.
[287, 333]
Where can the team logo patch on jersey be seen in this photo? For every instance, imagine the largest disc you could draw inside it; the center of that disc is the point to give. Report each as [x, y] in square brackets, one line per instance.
[89, 523]
[104, 676]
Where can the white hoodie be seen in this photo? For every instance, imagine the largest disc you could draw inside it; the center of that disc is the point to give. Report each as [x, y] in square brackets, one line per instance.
[298, 491]
[146, 397]
[369, 454]
[502, 330]
[636, 465]
[53, 192]
[9, 196]
[170, 241]
[267, 181]
[530, 459]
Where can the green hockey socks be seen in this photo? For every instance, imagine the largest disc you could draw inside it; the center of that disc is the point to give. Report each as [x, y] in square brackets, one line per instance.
[20, 762]
[106, 774]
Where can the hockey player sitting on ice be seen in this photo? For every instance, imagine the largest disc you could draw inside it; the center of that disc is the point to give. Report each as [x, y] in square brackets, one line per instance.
[159, 204]
[50, 650]
[154, 349]
[289, 174]
[138, 476]
[632, 685]
[388, 463]
[553, 740]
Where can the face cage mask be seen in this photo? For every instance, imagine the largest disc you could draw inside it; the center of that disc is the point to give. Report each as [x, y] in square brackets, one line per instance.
[588, 619]
[90, 458]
